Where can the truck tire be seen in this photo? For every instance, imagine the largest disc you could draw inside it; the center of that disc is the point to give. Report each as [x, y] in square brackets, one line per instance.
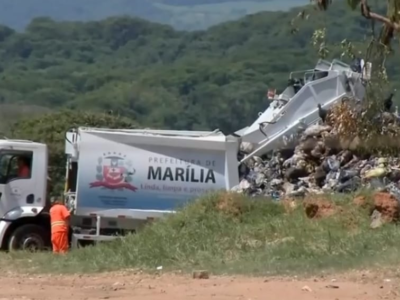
[29, 237]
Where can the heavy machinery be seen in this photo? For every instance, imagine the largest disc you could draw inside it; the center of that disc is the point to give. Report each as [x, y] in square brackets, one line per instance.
[297, 106]
[117, 180]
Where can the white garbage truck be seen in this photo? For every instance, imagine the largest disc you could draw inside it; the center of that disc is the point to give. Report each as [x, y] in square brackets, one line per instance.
[117, 180]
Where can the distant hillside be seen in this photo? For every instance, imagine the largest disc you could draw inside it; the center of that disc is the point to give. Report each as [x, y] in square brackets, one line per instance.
[201, 2]
[181, 14]
[161, 77]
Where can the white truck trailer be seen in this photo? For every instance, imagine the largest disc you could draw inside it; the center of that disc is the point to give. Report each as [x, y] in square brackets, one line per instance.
[117, 180]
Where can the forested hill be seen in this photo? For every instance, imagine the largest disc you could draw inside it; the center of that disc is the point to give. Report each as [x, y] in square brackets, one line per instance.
[182, 14]
[156, 75]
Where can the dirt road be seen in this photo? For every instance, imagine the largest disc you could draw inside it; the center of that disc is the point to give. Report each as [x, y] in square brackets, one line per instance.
[172, 287]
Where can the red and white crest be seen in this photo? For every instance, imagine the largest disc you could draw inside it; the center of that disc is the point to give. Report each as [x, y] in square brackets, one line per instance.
[113, 175]
[114, 172]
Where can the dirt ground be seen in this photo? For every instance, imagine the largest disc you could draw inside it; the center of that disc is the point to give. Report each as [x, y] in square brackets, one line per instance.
[124, 286]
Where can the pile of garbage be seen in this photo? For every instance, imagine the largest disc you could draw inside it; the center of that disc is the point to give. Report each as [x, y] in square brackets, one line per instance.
[320, 163]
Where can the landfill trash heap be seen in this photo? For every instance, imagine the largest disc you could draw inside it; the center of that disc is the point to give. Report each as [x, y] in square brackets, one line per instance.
[322, 158]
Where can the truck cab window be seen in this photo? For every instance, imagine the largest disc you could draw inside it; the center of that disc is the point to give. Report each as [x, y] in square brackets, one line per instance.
[15, 166]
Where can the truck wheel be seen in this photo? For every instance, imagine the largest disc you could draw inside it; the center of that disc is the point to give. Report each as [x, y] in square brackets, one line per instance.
[29, 237]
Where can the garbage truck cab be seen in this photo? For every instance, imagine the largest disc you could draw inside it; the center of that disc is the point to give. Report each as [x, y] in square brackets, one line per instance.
[24, 218]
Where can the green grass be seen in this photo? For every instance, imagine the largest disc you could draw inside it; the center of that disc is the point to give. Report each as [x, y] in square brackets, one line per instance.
[252, 236]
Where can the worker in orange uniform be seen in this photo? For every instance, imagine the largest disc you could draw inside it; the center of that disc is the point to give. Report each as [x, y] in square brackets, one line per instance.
[59, 217]
[23, 167]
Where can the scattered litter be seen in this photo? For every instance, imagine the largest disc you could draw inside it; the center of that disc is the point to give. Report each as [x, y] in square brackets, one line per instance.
[306, 289]
[320, 162]
[201, 275]
[330, 286]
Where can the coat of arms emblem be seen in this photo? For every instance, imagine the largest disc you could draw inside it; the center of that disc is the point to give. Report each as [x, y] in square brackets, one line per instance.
[114, 172]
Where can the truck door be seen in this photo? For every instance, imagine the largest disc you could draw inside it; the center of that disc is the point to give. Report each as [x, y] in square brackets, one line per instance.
[17, 184]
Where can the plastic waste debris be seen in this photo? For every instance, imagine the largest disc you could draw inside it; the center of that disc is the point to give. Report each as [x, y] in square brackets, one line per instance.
[317, 164]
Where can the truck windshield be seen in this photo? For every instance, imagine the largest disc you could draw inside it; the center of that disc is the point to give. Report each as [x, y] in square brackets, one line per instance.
[14, 165]
[7, 167]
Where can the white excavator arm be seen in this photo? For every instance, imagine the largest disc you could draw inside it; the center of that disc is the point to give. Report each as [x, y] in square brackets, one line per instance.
[297, 106]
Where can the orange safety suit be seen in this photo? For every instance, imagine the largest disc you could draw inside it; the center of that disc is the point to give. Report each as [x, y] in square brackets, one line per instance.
[59, 216]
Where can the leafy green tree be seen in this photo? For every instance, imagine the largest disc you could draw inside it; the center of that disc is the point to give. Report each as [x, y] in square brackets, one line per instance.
[164, 78]
[390, 20]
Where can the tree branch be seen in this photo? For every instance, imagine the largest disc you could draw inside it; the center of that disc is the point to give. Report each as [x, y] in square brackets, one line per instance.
[365, 11]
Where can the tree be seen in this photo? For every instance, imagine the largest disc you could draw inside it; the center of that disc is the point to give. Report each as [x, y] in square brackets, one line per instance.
[164, 78]
[390, 21]
[51, 129]
[366, 127]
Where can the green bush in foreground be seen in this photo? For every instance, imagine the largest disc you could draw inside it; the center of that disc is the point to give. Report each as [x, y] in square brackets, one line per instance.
[228, 233]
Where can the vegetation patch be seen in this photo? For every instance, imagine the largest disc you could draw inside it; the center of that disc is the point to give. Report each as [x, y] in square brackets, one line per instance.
[160, 77]
[231, 234]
